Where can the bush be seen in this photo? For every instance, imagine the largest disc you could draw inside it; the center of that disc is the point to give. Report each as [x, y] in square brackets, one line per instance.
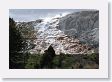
[33, 61]
[94, 57]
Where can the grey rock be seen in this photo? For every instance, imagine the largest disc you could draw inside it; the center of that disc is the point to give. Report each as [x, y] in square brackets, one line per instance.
[83, 25]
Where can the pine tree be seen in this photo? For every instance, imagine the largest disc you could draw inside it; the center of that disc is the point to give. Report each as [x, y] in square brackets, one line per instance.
[16, 45]
[47, 58]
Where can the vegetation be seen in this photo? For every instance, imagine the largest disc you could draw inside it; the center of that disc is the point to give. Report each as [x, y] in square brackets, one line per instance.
[65, 61]
[20, 59]
[46, 61]
[16, 46]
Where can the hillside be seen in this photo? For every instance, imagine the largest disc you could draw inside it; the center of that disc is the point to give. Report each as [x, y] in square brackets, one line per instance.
[73, 33]
[64, 41]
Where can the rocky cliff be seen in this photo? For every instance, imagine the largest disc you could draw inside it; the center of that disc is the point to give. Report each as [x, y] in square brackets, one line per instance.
[82, 25]
[74, 33]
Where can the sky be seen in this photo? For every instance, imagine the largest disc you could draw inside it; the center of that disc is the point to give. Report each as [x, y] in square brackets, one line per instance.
[34, 14]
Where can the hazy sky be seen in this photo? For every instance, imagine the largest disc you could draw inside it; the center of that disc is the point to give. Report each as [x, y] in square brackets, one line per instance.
[34, 14]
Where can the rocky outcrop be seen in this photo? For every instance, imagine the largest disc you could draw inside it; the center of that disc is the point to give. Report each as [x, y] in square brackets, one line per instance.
[83, 25]
[76, 33]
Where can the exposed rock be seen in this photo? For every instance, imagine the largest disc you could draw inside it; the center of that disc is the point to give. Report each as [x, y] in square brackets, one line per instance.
[83, 25]
[74, 33]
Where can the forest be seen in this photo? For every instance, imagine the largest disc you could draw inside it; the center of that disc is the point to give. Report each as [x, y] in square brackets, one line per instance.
[20, 58]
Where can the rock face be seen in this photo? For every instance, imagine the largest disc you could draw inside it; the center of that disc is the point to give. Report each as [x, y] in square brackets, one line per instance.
[74, 33]
[82, 25]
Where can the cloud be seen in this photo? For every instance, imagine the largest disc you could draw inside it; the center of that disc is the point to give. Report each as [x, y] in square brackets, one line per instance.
[34, 14]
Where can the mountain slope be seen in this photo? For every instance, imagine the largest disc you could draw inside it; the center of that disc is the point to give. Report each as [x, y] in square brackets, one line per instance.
[75, 33]
[83, 25]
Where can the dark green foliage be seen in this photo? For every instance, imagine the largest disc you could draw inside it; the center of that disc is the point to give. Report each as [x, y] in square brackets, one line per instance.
[19, 59]
[46, 61]
[76, 61]
[62, 61]
[33, 61]
[56, 62]
[16, 46]
[93, 57]
[61, 58]
[15, 39]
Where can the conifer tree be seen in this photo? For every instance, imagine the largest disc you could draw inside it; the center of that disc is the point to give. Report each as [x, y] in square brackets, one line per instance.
[16, 46]
[47, 58]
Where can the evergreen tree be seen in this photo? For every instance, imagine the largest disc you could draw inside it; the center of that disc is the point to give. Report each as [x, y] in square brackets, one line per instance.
[16, 46]
[47, 58]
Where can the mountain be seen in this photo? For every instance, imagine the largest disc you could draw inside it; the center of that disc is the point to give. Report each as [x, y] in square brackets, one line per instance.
[75, 33]
[83, 25]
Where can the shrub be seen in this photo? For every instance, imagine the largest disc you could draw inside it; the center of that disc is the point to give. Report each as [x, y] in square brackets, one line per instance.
[33, 61]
